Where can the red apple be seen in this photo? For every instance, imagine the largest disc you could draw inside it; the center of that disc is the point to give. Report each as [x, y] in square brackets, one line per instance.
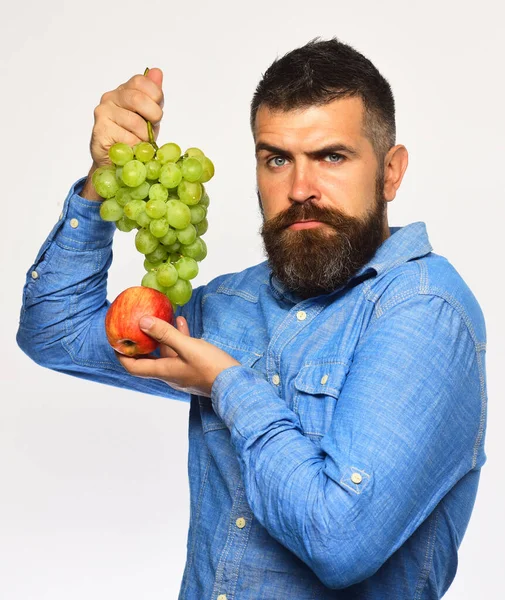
[122, 319]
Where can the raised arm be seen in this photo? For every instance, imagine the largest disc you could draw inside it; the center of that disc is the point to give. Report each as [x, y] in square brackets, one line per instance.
[65, 295]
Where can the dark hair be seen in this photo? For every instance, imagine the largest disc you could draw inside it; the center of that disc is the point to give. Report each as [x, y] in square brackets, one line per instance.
[322, 71]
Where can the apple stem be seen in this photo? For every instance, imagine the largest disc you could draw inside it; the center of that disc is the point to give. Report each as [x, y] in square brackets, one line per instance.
[150, 125]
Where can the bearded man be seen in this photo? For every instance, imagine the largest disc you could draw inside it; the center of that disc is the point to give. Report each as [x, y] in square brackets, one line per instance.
[337, 389]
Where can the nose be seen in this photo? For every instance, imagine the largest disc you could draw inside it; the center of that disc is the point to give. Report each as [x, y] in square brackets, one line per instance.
[303, 184]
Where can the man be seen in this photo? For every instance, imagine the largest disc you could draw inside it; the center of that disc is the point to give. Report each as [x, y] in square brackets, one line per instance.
[338, 399]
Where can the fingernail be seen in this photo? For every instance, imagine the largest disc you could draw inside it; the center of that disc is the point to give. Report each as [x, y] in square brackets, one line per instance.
[146, 322]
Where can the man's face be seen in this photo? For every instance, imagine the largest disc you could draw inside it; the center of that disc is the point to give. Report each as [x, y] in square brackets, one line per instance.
[321, 192]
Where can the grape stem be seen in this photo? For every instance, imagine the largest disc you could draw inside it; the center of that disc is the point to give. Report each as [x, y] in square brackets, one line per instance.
[150, 125]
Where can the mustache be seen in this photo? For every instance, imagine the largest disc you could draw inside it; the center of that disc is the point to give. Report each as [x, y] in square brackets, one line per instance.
[308, 211]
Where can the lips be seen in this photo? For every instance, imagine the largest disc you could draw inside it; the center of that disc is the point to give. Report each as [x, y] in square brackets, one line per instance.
[309, 224]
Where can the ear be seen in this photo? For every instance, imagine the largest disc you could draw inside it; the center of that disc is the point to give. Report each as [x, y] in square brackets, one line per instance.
[395, 165]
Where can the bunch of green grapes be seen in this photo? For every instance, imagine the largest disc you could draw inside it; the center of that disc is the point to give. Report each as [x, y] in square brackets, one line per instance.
[159, 192]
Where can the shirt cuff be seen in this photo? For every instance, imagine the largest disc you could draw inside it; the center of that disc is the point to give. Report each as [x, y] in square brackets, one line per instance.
[80, 225]
[247, 403]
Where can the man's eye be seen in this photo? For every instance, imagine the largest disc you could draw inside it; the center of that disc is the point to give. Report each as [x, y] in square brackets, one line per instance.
[334, 158]
[276, 161]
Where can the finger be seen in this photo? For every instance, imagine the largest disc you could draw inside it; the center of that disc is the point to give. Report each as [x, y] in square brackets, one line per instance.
[129, 121]
[182, 326]
[156, 76]
[147, 84]
[139, 102]
[152, 368]
[164, 333]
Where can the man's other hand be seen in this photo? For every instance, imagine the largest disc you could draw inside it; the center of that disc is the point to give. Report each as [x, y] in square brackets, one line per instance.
[186, 363]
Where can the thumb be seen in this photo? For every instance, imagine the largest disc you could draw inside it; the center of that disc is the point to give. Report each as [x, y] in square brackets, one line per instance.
[163, 332]
[156, 75]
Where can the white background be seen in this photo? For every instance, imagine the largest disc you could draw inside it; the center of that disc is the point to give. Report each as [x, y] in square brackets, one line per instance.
[93, 487]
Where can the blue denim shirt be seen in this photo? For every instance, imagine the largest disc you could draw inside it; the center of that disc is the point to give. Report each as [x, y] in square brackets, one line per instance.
[341, 459]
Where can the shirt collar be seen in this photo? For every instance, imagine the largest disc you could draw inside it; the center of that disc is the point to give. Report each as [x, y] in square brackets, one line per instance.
[404, 244]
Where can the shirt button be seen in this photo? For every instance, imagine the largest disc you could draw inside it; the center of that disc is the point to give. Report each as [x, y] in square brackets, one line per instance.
[276, 379]
[222, 597]
[301, 315]
[356, 478]
[35, 275]
[324, 379]
[74, 223]
[240, 522]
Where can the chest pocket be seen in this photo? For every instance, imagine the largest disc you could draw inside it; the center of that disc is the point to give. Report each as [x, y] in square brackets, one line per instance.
[318, 386]
[210, 420]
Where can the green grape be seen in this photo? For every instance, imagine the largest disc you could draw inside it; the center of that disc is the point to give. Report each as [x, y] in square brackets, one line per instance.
[174, 257]
[169, 238]
[187, 235]
[120, 154]
[151, 266]
[166, 275]
[178, 214]
[192, 169]
[153, 168]
[168, 153]
[194, 152]
[158, 192]
[119, 177]
[187, 268]
[144, 152]
[159, 227]
[104, 181]
[205, 200]
[125, 224]
[196, 250]
[110, 210]
[145, 242]
[156, 209]
[123, 196]
[202, 227]
[158, 255]
[207, 170]
[198, 213]
[190, 192]
[142, 219]
[173, 247]
[170, 175]
[133, 208]
[141, 191]
[149, 280]
[100, 170]
[134, 173]
[180, 292]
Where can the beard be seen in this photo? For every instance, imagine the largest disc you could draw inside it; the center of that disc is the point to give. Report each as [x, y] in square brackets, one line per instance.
[310, 262]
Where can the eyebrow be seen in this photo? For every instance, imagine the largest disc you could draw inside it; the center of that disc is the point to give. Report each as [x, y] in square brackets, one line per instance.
[320, 152]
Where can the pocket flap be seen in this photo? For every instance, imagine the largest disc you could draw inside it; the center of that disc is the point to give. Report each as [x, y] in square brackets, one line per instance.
[322, 377]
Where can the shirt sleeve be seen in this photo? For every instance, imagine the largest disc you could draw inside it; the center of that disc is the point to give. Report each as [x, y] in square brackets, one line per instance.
[407, 427]
[65, 301]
